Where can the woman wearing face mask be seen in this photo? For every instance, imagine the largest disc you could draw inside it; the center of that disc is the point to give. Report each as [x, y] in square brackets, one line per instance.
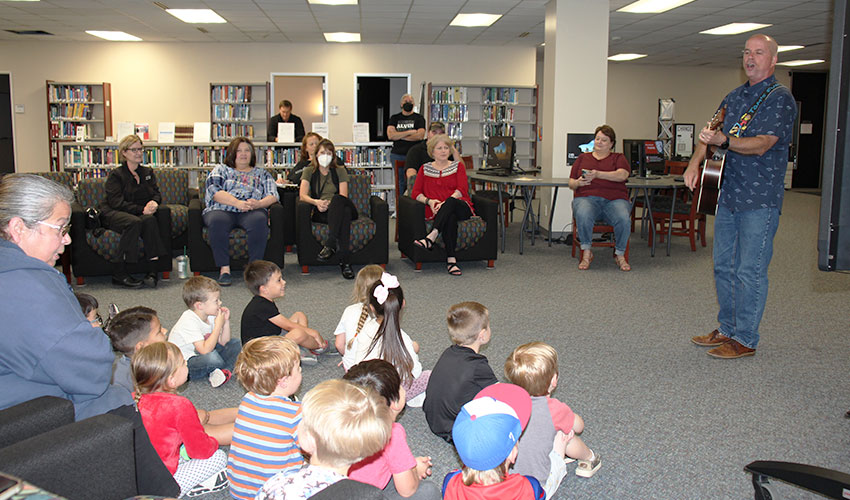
[324, 185]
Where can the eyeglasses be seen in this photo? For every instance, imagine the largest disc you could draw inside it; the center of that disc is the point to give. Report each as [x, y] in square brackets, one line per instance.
[98, 321]
[63, 230]
[135, 150]
[758, 52]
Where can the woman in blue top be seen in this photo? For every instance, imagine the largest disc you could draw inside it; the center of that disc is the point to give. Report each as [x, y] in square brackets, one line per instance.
[238, 194]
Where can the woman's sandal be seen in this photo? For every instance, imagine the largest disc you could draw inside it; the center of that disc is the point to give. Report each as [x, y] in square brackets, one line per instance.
[586, 259]
[452, 268]
[424, 243]
[622, 262]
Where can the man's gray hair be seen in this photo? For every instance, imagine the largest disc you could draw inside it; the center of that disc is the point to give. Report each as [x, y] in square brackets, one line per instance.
[30, 197]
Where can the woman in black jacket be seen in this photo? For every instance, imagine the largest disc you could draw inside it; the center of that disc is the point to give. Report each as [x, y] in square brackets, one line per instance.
[132, 199]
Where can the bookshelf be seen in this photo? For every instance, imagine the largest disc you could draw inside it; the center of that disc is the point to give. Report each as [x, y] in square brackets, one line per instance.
[76, 108]
[474, 113]
[239, 109]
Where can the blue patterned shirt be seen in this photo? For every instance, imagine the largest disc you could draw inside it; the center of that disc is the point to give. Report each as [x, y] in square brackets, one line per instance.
[256, 184]
[752, 182]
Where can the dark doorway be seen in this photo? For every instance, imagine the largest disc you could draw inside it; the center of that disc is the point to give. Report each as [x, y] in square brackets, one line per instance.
[7, 143]
[809, 89]
[373, 105]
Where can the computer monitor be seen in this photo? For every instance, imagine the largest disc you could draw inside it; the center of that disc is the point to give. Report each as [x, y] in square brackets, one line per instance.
[575, 143]
[501, 152]
[633, 150]
[653, 157]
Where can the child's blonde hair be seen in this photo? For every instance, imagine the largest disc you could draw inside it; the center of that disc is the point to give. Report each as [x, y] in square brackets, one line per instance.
[466, 320]
[152, 365]
[485, 477]
[265, 360]
[366, 277]
[347, 422]
[532, 366]
[198, 289]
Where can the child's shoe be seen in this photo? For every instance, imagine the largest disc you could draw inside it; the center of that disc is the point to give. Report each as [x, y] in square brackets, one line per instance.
[587, 468]
[219, 377]
[217, 482]
[308, 359]
[328, 349]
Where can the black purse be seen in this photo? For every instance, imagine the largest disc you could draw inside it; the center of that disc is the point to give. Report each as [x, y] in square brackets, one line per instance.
[93, 223]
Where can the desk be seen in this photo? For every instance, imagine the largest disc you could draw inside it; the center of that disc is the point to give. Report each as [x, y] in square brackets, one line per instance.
[647, 185]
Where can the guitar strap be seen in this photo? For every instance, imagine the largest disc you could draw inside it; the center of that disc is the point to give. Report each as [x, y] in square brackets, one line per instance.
[747, 117]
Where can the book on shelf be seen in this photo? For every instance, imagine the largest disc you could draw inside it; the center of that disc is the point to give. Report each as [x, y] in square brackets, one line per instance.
[231, 93]
[232, 112]
[450, 95]
[184, 132]
[499, 95]
[70, 93]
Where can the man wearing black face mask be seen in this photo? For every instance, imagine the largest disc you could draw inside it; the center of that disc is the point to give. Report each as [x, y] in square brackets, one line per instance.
[405, 129]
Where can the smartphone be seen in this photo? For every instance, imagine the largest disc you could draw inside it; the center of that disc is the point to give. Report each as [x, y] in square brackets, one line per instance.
[8, 486]
[584, 172]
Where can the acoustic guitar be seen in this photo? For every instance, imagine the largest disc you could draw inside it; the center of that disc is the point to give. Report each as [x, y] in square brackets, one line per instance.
[712, 171]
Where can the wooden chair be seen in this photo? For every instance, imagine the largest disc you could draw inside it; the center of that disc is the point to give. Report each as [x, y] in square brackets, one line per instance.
[691, 222]
[599, 227]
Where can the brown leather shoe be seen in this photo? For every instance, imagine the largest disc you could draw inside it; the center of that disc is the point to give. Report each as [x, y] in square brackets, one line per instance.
[731, 350]
[713, 339]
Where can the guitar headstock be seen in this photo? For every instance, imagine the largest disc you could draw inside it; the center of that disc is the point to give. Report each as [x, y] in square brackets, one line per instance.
[717, 120]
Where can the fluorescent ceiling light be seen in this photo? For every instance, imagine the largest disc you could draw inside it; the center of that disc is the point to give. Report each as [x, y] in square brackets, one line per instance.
[332, 2]
[734, 28]
[470, 20]
[625, 57]
[801, 62]
[786, 48]
[342, 37]
[196, 16]
[652, 6]
[115, 36]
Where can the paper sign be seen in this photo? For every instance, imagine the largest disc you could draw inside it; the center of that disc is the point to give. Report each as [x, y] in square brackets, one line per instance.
[124, 129]
[285, 132]
[806, 128]
[143, 130]
[360, 132]
[81, 133]
[321, 128]
[201, 132]
[165, 132]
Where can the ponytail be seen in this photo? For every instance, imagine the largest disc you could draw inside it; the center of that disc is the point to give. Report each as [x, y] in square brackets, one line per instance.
[393, 349]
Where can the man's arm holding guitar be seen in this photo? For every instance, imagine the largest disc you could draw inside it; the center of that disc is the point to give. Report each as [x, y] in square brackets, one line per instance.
[757, 145]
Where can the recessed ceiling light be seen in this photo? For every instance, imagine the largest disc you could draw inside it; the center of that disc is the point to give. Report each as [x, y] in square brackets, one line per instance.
[734, 28]
[625, 57]
[652, 6]
[786, 48]
[342, 37]
[801, 62]
[115, 36]
[332, 2]
[470, 20]
[197, 16]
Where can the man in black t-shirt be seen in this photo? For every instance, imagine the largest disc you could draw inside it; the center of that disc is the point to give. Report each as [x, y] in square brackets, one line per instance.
[405, 129]
[285, 116]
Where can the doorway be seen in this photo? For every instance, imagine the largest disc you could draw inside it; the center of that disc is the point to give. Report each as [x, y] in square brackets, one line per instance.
[809, 89]
[7, 140]
[377, 97]
[306, 92]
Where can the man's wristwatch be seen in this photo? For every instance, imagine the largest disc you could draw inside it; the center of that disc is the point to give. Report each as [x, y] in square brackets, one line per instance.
[725, 144]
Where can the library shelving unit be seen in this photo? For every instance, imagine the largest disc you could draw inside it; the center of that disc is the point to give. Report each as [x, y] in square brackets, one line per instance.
[375, 157]
[474, 113]
[75, 108]
[239, 109]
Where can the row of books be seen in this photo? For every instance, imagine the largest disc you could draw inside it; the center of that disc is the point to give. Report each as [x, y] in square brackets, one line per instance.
[227, 131]
[497, 112]
[450, 95]
[77, 110]
[449, 112]
[68, 130]
[231, 93]
[232, 112]
[364, 156]
[107, 158]
[493, 94]
[70, 93]
[495, 129]
[455, 130]
[282, 156]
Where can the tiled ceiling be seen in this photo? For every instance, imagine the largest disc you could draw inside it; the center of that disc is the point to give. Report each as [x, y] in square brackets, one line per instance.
[669, 38]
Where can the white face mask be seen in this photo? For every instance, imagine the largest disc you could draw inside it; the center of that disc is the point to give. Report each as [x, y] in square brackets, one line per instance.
[325, 159]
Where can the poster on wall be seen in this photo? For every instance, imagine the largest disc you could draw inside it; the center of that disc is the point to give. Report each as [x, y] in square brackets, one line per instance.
[683, 134]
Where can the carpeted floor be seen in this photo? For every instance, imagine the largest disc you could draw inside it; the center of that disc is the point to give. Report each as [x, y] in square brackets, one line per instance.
[669, 421]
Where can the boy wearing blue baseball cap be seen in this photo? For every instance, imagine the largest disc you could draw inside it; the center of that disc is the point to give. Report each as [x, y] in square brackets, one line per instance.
[485, 434]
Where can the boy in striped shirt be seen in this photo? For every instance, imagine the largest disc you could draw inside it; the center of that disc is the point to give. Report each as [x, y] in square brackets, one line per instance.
[265, 440]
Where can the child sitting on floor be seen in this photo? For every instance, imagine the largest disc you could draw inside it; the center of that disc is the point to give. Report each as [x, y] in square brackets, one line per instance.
[89, 306]
[394, 469]
[461, 371]
[261, 318]
[552, 432]
[203, 332]
[341, 424]
[355, 316]
[172, 423]
[265, 440]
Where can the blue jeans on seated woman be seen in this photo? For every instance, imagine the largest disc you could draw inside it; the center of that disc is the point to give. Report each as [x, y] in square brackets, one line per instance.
[223, 357]
[618, 213]
[220, 222]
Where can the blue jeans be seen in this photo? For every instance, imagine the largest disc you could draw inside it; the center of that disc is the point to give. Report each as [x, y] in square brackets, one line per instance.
[223, 357]
[743, 247]
[618, 213]
[402, 180]
[220, 222]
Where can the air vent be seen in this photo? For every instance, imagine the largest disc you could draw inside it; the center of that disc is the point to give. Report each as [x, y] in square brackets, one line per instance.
[30, 32]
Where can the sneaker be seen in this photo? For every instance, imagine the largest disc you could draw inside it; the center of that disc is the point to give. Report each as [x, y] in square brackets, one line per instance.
[326, 253]
[308, 359]
[217, 482]
[587, 468]
[219, 377]
[328, 349]
[225, 279]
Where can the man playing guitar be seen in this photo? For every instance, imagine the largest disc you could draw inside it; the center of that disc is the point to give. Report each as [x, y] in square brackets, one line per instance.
[756, 132]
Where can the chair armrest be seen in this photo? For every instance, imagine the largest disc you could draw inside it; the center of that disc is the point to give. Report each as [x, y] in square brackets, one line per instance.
[34, 417]
[411, 222]
[827, 482]
[380, 209]
[487, 208]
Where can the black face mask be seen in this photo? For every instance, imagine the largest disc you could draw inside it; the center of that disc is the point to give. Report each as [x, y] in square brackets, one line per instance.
[407, 106]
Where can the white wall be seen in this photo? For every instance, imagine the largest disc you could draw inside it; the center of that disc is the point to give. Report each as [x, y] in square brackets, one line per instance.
[154, 82]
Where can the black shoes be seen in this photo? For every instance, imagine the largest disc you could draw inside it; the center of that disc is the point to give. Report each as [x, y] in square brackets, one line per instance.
[151, 280]
[126, 281]
[347, 272]
[326, 253]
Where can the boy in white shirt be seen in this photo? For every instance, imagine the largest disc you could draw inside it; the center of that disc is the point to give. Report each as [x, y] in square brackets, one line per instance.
[203, 332]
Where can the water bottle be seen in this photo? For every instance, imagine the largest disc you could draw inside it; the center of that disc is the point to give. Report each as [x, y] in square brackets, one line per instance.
[183, 265]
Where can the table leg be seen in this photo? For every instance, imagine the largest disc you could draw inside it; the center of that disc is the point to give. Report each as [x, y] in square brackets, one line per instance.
[648, 209]
[670, 222]
[527, 194]
[500, 225]
[552, 212]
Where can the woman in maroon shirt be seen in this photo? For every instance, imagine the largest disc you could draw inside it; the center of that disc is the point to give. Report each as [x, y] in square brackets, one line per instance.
[442, 185]
[599, 182]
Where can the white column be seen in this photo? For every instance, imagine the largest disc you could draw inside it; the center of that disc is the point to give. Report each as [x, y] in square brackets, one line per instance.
[575, 79]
